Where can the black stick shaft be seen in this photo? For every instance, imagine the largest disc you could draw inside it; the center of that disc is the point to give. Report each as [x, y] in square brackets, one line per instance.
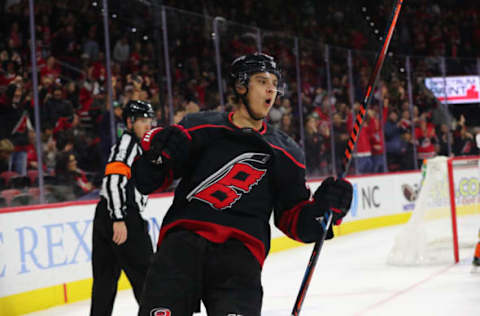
[352, 142]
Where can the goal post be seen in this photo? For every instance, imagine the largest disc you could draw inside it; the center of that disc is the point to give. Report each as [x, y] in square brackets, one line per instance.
[440, 224]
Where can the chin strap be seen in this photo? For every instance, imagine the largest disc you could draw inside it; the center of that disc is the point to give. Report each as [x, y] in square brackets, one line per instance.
[247, 106]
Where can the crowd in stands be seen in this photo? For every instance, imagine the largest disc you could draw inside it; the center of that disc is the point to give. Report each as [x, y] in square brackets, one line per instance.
[75, 124]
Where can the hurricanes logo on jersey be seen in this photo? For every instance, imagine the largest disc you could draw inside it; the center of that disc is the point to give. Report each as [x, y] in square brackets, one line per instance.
[161, 312]
[223, 188]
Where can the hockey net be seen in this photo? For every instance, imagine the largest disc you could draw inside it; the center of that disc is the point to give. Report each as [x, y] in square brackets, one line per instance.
[444, 223]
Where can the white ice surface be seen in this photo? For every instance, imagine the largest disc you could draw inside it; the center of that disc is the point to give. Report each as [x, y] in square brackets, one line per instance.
[351, 278]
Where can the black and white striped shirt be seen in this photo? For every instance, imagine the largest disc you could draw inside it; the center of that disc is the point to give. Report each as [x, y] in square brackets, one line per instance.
[120, 193]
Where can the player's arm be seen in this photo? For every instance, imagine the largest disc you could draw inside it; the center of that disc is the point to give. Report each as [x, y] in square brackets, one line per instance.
[298, 215]
[166, 151]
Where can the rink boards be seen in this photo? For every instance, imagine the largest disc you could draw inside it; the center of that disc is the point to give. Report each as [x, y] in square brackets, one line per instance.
[45, 251]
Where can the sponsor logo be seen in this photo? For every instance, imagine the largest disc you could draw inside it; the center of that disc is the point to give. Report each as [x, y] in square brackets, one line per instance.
[160, 312]
[410, 193]
[458, 89]
[369, 197]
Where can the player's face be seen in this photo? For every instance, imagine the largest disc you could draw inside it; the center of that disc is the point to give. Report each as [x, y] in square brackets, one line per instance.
[262, 91]
[141, 126]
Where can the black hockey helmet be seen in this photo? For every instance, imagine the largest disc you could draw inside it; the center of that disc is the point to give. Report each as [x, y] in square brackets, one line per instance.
[245, 66]
[137, 108]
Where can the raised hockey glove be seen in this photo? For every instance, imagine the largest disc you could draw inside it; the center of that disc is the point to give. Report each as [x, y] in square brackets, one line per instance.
[168, 146]
[332, 197]
[335, 196]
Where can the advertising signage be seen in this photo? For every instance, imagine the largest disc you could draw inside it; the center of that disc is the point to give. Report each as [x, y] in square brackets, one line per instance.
[459, 89]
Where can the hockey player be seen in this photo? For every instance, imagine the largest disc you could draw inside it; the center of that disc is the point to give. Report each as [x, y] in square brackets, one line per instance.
[476, 255]
[120, 235]
[235, 171]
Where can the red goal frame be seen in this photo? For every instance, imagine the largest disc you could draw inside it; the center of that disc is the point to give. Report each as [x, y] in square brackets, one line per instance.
[453, 207]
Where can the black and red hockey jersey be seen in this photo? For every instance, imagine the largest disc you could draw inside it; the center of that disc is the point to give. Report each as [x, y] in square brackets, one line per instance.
[233, 181]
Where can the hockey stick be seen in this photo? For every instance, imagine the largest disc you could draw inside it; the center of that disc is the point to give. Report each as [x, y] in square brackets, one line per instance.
[352, 141]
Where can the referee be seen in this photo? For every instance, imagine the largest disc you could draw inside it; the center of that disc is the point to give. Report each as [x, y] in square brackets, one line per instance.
[120, 234]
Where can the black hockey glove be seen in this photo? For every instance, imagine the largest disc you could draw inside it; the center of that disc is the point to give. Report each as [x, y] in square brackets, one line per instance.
[335, 195]
[168, 146]
[332, 198]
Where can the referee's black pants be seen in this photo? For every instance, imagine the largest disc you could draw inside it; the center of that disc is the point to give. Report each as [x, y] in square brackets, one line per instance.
[108, 259]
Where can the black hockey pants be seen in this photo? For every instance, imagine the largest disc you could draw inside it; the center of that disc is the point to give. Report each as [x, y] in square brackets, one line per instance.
[188, 268]
[108, 259]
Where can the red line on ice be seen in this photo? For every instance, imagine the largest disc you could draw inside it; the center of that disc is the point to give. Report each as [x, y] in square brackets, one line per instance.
[401, 292]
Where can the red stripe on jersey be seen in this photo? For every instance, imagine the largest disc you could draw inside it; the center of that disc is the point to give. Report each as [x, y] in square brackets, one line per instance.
[147, 138]
[180, 127]
[289, 156]
[191, 129]
[261, 131]
[218, 234]
[289, 221]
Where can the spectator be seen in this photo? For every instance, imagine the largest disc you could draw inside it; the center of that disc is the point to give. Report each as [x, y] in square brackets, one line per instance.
[68, 174]
[426, 138]
[275, 114]
[405, 121]
[15, 124]
[73, 94]
[286, 125]
[32, 157]
[64, 141]
[9, 73]
[442, 145]
[363, 154]
[286, 105]
[91, 49]
[314, 148]
[121, 51]
[160, 119]
[394, 142]
[178, 116]
[191, 107]
[57, 107]
[6, 150]
[463, 141]
[406, 150]
[65, 42]
[49, 149]
[51, 69]
[376, 139]
[15, 38]
[104, 129]
[340, 137]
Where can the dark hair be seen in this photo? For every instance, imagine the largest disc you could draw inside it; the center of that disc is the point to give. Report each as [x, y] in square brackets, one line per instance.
[61, 163]
[63, 138]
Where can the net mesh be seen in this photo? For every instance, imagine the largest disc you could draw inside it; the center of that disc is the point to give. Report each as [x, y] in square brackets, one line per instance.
[427, 238]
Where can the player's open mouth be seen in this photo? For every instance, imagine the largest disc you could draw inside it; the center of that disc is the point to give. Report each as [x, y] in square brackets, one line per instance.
[267, 101]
